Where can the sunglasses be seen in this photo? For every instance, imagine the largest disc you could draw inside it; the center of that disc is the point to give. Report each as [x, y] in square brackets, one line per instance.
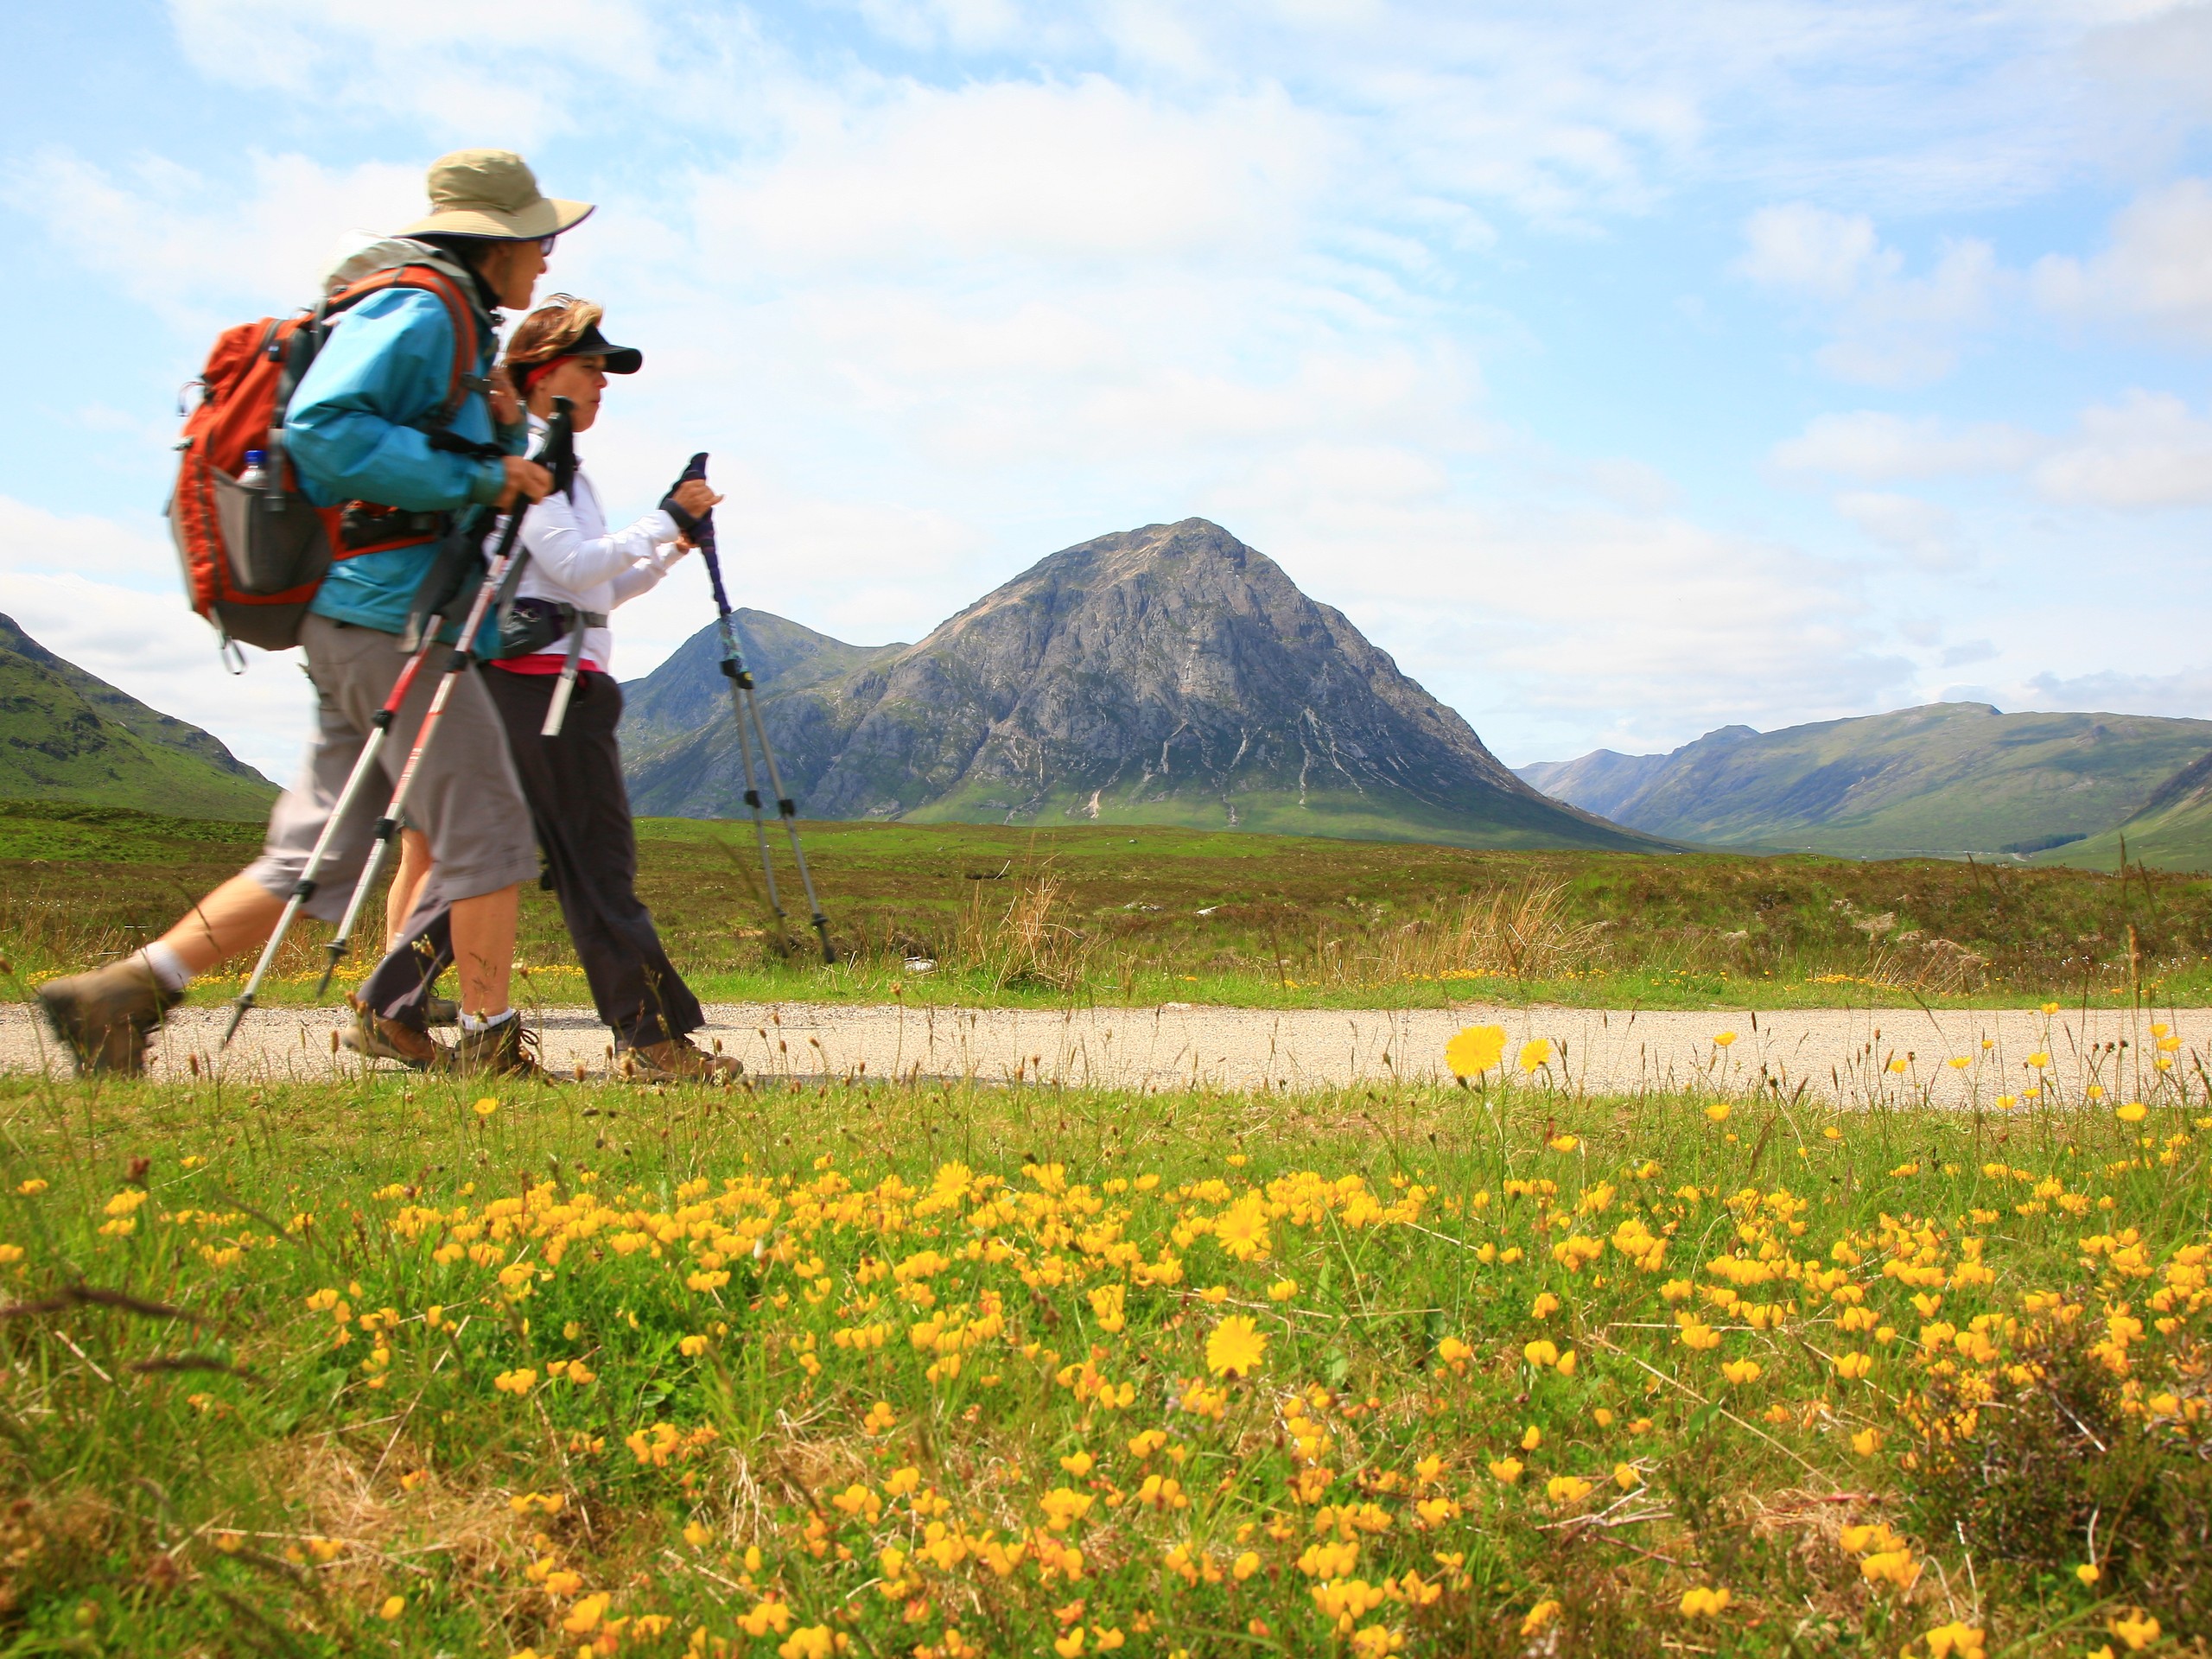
[545, 244]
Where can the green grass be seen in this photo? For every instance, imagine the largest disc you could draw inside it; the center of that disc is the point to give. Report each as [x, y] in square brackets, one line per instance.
[287, 1369]
[1124, 915]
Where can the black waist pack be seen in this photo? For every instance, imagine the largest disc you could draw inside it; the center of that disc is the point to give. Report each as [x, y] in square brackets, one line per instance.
[531, 625]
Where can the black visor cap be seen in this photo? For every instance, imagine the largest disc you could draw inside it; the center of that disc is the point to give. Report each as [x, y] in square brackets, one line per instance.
[615, 360]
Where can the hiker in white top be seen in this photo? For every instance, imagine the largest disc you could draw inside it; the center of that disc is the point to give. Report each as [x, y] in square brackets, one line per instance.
[574, 560]
[578, 572]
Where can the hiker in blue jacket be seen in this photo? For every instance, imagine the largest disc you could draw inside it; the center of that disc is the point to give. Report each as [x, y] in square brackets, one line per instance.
[362, 429]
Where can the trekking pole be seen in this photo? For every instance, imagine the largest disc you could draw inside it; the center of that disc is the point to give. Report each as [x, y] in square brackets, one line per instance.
[304, 888]
[746, 708]
[556, 711]
[551, 454]
[751, 790]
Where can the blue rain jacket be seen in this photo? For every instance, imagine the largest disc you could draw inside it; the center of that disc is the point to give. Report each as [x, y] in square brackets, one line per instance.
[350, 430]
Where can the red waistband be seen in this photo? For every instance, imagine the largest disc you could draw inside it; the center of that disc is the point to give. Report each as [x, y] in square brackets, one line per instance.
[551, 662]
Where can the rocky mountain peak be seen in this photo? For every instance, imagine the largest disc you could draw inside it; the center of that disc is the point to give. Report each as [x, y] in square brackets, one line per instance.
[1165, 674]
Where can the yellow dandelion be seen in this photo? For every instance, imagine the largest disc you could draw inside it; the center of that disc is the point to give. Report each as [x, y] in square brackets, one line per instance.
[1722, 1040]
[1235, 1347]
[1535, 1052]
[1475, 1049]
[487, 1106]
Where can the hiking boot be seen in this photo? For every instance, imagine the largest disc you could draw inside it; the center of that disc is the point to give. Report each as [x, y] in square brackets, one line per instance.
[505, 1050]
[375, 1038]
[675, 1060]
[440, 1010]
[105, 1017]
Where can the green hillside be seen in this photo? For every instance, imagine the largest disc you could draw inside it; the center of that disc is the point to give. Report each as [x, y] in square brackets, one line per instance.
[66, 736]
[1944, 780]
[2172, 830]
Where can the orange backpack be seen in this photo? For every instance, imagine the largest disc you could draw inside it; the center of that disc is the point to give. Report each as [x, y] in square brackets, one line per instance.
[253, 557]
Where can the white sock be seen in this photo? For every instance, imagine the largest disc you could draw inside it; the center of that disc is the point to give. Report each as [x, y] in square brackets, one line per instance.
[484, 1021]
[164, 964]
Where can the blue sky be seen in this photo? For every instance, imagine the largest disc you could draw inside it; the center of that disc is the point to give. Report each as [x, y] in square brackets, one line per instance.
[1622, 371]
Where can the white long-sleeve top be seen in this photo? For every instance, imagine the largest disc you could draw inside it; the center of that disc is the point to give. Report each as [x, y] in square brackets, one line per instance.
[576, 560]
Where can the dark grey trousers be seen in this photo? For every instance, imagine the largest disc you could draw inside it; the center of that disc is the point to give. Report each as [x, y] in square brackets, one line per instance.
[580, 810]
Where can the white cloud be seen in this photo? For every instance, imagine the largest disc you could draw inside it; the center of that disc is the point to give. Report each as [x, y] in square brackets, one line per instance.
[2155, 275]
[2146, 451]
[1874, 447]
[1809, 250]
[186, 246]
[1890, 329]
[1576, 618]
[962, 24]
[517, 68]
[2185, 693]
[1924, 532]
[1089, 172]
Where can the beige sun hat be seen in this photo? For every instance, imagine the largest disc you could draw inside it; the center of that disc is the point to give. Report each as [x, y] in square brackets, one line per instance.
[493, 193]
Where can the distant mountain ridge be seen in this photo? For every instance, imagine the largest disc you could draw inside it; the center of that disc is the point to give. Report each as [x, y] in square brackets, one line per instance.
[1941, 779]
[66, 735]
[1166, 675]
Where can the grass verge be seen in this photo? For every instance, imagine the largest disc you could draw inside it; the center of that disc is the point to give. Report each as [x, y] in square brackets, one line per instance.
[814, 1368]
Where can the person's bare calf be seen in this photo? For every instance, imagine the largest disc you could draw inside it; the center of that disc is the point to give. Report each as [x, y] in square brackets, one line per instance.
[491, 1035]
[105, 1017]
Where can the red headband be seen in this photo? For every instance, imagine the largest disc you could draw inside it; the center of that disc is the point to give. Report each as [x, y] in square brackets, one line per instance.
[538, 372]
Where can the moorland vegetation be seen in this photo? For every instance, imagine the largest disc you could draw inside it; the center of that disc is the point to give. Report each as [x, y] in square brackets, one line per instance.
[1120, 915]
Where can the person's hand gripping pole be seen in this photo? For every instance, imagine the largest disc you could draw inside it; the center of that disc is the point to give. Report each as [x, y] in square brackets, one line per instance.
[555, 454]
[700, 532]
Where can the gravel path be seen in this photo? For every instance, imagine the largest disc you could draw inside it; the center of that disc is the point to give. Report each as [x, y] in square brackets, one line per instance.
[1841, 1055]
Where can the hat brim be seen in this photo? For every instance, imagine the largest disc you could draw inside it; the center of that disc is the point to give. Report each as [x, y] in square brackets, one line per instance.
[613, 360]
[547, 216]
